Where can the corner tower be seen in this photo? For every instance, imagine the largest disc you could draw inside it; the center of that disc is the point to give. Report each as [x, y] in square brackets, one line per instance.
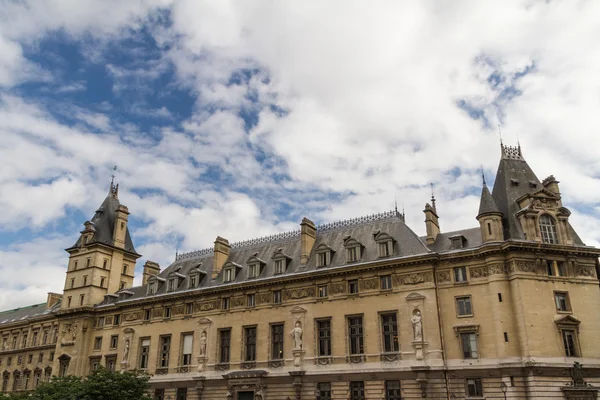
[489, 217]
[531, 210]
[102, 261]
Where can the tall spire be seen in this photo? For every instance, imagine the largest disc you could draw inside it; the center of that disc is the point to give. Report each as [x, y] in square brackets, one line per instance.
[114, 189]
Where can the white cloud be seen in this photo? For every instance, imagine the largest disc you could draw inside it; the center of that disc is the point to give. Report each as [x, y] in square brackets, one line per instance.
[370, 112]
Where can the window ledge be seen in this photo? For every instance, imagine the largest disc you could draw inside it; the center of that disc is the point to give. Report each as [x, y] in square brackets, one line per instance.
[461, 284]
[564, 312]
[465, 316]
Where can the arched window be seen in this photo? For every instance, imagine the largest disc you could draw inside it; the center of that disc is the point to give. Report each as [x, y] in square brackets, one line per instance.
[548, 229]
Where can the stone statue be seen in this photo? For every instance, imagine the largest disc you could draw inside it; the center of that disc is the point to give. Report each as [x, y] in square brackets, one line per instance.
[417, 326]
[203, 343]
[126, 351]
[296, 333]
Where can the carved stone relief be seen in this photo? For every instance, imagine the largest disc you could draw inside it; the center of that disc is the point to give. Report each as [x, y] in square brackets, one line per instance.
[300, 293]
[497, 269]
[584, 270]
[178, 309]
[443, 276]
[133, 316]
[69, 334]
[338, 288]
[479, 272]
[264, 298]
[238, 301]
[414, 279]
[157, 312]
[525, 266]
[206, 306]
[369, 284]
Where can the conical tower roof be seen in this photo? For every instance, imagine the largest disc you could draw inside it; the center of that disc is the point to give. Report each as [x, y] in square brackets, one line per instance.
[487, 205]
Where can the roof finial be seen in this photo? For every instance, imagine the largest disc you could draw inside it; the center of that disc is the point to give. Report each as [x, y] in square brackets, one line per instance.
[500, 134]
[433, 198]
[482, 175]
[114, 189]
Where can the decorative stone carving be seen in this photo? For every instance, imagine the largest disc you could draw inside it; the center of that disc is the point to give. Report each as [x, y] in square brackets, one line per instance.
[296, 335]
[443, 276]
[525, 266]
[69, 334]
[369, 284]
[203, 340]
[479, 272]
[275, 363]
[133, 316]
[126, 345]
[178, 309]
[414, 279]
[497, 269]
[238, 301]
[355, 359]
[338, 288]
[390, 357]
[157, 312]
[207, 306]
[584, 270]
[417, 325]
[300, 293]
[323, 360]
[264, 298]
[222, 367]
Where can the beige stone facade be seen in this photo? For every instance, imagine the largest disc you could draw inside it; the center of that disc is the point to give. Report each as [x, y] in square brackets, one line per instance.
[358, 309]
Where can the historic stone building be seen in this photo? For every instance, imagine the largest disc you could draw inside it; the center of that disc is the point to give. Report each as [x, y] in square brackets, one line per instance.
[356, 309]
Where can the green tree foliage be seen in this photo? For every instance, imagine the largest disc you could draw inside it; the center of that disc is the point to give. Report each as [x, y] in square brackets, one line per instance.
[102, 384]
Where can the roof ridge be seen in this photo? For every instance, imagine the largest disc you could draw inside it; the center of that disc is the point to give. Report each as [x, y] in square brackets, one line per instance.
[282, 236]
[22, 308]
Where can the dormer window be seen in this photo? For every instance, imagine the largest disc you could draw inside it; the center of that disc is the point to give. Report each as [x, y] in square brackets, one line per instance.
[255, 266]
[172, 285]
[230, 271]
[548, 229]
[228, 275]
[385, 244]
[458, 241]
[278, 267]
[152, 288]
[353, 249]
[280, 261]
[324, 254]
[253, 271]
[195, 277]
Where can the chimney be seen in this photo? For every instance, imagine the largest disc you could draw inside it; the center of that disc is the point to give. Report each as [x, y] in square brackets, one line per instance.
[431, 224]
[551, 184]
[52, 299]
[221, 254]
[151, 269]
[308, 234]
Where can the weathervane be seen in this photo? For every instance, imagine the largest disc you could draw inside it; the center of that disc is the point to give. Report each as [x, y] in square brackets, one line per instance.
[114, 189]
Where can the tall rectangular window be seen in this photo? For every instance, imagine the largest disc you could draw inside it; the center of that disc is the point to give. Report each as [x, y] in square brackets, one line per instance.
[324, 333]
[355, 335]
[389, 329]
[460, 274]
[562, 301]
[357, 390]
[322, 291]
[228, 275]
[392, 390]
[159, 394]
[278, 267]
[186, 349]
[385, 282]
[253, 270]
[463, 306]
[181, 394]
[277, 342]
[114, 341]
[324, 389]
[474, 387]
[353, 286]
[385, 248]
[98, 343]
[570, 342]
[164, 351]
[469, 345]
[353, 253]
[251, 300]
[250, 343]
[225, 303]
[224, 345]
[323, 258]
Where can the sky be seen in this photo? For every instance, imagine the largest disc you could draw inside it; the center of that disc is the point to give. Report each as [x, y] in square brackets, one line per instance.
[238, 118]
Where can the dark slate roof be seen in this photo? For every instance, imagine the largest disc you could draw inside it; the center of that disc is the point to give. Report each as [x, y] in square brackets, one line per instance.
[512, 169]
[104, 222]
[487, 205]
[443, 242]
[28, 312]
[407, 243]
